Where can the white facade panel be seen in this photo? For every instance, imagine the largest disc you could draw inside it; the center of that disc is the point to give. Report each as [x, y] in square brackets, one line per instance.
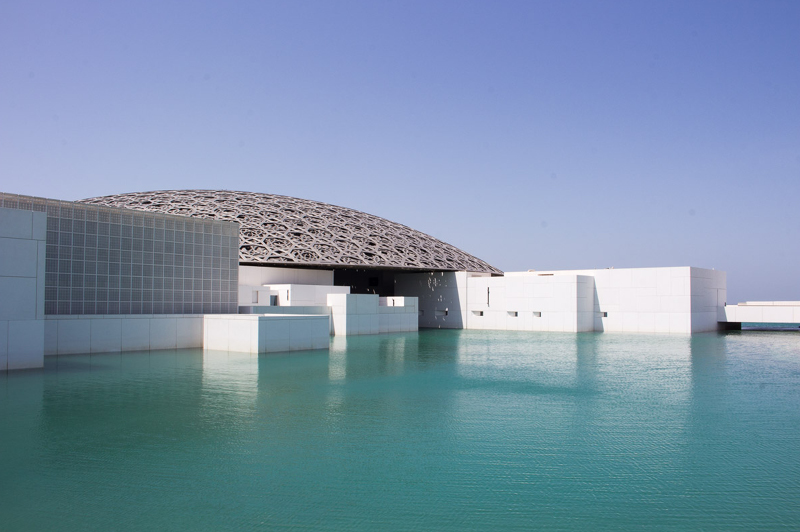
[135, 335]
[105, 336]
[17, 224]
[21, 289]
[18, 257]
[163, 333]
[25, 344]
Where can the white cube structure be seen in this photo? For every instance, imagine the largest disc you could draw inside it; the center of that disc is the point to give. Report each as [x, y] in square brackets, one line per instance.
[359, 314]
[252, 333]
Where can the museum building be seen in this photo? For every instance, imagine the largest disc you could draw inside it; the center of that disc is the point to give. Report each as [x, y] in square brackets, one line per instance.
[258, 273]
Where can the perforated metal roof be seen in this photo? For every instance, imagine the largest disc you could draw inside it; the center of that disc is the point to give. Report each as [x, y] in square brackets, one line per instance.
[292, 231]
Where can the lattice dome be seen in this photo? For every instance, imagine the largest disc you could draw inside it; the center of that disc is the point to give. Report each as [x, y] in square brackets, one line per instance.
[285, 230]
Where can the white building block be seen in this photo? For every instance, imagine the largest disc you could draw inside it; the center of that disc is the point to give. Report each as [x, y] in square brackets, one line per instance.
[249, 333]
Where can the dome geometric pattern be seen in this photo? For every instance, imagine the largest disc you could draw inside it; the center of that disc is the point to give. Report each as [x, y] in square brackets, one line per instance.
[284, 230]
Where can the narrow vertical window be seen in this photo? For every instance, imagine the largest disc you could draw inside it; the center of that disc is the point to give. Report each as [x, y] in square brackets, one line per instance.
[487, 296]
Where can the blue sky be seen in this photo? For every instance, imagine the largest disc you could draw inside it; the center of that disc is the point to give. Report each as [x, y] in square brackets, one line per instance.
[531, 134]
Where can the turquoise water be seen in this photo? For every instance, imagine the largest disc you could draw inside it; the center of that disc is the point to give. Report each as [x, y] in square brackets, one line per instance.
[446, 430]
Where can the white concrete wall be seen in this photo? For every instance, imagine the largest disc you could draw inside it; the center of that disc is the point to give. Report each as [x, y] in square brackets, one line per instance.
[653, 300]
[649, 300]
[762, 312]
[68, 334]
[355, 314]
[22, 274]
[397, 314]
[558, 303]
[251, 333]
[709, 296]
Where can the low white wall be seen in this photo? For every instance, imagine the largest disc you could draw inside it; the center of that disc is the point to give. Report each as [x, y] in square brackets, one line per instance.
[763, 312]
[64, 335]
[356, 314]
[251, 333]
[22, 263]
[709, 289]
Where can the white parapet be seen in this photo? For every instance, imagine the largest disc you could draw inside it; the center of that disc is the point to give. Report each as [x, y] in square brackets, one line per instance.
[110, 333]
[762, 312]
[253, 333]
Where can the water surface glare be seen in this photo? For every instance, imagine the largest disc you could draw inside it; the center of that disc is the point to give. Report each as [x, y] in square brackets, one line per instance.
[445, 430]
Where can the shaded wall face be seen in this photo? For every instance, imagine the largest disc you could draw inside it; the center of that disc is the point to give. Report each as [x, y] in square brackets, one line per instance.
[441, 295]
[255, 275]
[102, 260]
[365, 281]
[709, 289]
